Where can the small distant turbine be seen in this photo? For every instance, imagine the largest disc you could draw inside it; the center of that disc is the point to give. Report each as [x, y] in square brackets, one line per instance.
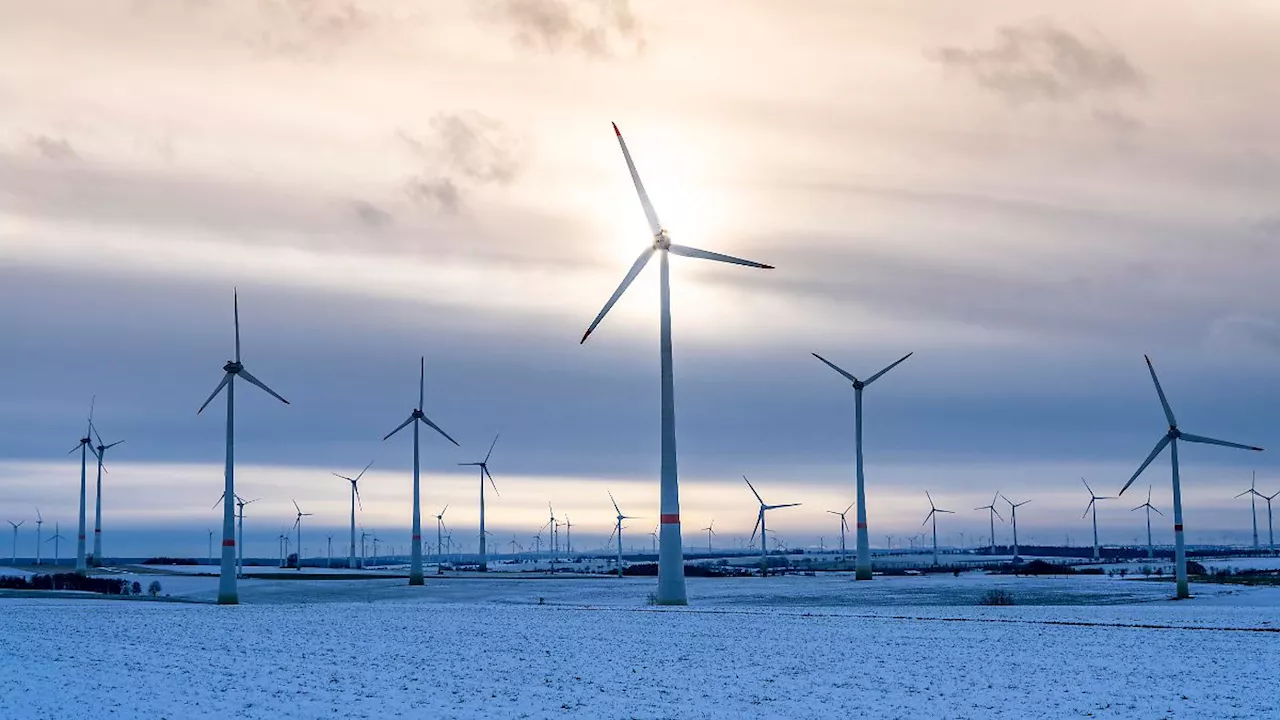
[844, 527]
[440, 528]
[933, 515]
[415, 562]
[355, 499]
[617, 529]
[1171, 438]
[227, 593]
[1151, 548]
[39, 522]
[1271, 538]
[1093, 505]
[484, 473]
[1253, 494]
[297, 525]
[1013, 518]
[671, 586]
[992, 514]
[864, 541]
[100, 451]
[760, 527]
[16, 525]
[56, 540]
[710, 533]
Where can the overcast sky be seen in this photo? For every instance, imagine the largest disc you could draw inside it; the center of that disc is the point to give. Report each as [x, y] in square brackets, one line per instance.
[1027, 195]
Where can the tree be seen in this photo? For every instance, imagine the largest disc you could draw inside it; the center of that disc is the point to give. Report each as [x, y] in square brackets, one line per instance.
[137, 588]
[154, 588]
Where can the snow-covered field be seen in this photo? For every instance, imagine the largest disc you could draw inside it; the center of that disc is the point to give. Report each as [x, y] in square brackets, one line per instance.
[593, 648]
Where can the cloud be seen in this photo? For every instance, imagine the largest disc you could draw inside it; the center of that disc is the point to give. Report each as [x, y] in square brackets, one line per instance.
[308, 27]
[370, 214]
[1041, 62]
[440, 192]
[53, 148]
[461, 149]
[598, 28]
[1248, 332]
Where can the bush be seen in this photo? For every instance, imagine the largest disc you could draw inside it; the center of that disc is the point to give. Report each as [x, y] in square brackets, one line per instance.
[996, 597]
[137, 588]
[65, 581]
[154, 588]
[1195, 568]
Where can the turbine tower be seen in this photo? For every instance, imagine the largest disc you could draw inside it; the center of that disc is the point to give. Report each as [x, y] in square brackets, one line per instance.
[297, 525]
[864, 542]
[100, 451]
[1151, 549]
[85, 442]
[671, 587]
[440, 541]
[355, 499]
[617, 530]
[1253, 494]
[1093, 505]
[710, 533]
[16, 525]
[1171, 438]
[760, 527]
[1271, 538]
[844, 527]
[1013, 518]
[484, 473]
[56, 540]
[227, 593]
[992, 514]
[415, 417]
[39, 522]
[933, 515]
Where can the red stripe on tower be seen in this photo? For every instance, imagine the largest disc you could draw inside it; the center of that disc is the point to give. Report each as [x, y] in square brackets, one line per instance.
[417, 538]
[1177, 528]
[82, 536]
[228, 543]
[862, 526]
[670, 518]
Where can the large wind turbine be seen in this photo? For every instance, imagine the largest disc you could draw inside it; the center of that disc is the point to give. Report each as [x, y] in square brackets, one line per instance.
[1271, 538]
[415, 563]
[1171, 438]
[297, 525]
[844, 527]
[56, 540]
[16, 525]
[39, 522]
[617, 530]
[1253, 494]
[484, 473]
[671, 589]
[710, 529]
[101, 452]
[240, 503]
[992, 514]
[933, 515]
[1013, 518]
[85, 444]
[1093, 505]
[1151, 548]
[760, 527]
[864, 542]
[227, 593]
[355, 498]
[440, 541]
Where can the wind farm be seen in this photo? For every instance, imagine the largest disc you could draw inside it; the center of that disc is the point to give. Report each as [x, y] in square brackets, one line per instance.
[894, 253]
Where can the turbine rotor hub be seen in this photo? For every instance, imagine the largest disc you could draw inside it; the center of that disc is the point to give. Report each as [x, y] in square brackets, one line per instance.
[662, 240]
[233, 366]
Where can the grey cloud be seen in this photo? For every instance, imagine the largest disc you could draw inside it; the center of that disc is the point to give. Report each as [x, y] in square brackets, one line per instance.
[308, 27]
[461, 149]
[441, 193]
[370, 214]
[1118, 121]
[1039, 61]
[53, 148]
[598, 28]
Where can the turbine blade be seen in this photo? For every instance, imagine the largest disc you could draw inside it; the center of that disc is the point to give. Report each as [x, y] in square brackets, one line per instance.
[926, 518]
[1086, 485]
[226, 378]
[485, 469]
[436, 427]
[108, 447]
[220, 497]
[755, 530]
[649, 213]
[846, 510]
[1164, 402]
[686, 251]
[359, 502]
[891, 366]
[94, 428]
[1087, 508]
[399, 427]
[615, 502]
[636, 267]
[1157, 512]
[255, 381]
[1246, 492]
[1159, 447]
[997, 512]
[775, 507]
[422, 380]
[235, 300]
[295, 506]
[362, 472]
[1210, 441]
[833, 366]
[753, 490]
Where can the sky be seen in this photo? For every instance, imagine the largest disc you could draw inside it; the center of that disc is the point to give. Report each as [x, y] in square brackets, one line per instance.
[1028, 196]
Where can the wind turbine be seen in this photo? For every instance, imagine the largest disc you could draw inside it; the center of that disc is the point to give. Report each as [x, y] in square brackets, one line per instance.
[85, 442]
[1151, 549]
[39, 522]
[1171, 438]
[992, 514]
[1093, 505]
[617, 530]
[56, 540]
[933, 515]
[100, 451]
[764, 550]
[1013, 518]
[415, 563]
[440, 541]
[710, 533]
[1271, 538]
[1253, 494]
[227, 593]
[484, 473]
[297, 525]
[16, 525]
[355, 498]
[568, 537]
[671, 587]
[240, 503]
[863, 569]
[844, 527]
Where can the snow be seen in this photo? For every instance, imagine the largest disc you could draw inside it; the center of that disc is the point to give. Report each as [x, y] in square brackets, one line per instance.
[592, 647]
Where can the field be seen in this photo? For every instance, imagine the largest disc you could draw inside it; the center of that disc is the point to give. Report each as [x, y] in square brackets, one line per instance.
[537, 648]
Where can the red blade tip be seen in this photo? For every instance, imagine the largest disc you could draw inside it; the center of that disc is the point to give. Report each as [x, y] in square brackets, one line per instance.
[616, 131]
